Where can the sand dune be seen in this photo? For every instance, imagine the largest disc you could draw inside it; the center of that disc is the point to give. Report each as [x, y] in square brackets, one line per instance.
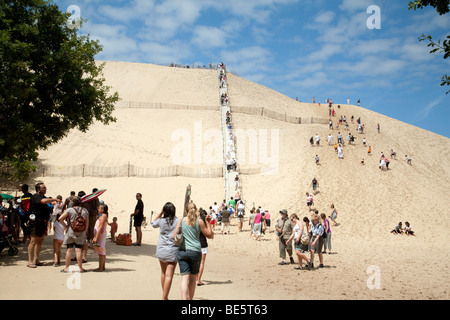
[370, 202]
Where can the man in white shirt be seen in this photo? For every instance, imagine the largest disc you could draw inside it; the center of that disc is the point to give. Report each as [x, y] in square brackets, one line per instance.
[240, 214]
[216, 208]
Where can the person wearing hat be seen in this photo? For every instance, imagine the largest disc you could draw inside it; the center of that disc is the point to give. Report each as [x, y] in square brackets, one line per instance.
[284, 229]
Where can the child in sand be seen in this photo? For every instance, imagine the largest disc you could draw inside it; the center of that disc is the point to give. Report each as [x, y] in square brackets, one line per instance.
[398, 229]
[408, 230]
[113, 231]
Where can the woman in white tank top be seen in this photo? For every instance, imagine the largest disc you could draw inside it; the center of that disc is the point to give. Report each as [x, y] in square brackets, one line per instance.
[297, 233]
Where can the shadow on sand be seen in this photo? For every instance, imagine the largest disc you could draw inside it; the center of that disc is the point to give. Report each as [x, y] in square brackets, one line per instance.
[114, 253]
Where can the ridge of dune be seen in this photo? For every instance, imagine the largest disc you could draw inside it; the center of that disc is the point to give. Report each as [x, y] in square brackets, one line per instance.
[369, 201]
[161, 84]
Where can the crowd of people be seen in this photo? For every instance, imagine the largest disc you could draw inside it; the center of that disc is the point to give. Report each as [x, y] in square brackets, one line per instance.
[340, 143]
[310, 237]
[75, 224]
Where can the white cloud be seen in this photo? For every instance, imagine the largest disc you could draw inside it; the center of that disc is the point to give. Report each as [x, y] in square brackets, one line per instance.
[256, 10]
[376, 46]
[370, 67]
[424, 114]
[340, 28]
[427, 22]
[325, 17]
[414, 51]
[209, 37]
[135, 10]
[249, 60]
[355, 5]
[156, 52]
[325, 52]
[113, 38]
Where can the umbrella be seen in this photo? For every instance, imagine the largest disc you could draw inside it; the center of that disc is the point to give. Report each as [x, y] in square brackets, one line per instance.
[7, 196]
[92, 196]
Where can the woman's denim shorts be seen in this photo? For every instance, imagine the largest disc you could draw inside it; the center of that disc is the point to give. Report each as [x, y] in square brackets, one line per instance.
[189, 261]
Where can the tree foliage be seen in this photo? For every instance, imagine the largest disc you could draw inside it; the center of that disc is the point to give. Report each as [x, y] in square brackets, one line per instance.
[442, 7]
[50, 82]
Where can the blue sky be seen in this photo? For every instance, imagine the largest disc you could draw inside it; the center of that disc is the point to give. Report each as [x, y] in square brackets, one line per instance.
[301, 48]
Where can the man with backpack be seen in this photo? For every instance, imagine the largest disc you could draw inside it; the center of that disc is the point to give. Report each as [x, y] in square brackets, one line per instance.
[76, 227]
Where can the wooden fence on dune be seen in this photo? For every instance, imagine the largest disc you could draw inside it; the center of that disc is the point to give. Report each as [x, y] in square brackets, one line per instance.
[255, 111]
[167, 106]
[280, 116]
[127, 170]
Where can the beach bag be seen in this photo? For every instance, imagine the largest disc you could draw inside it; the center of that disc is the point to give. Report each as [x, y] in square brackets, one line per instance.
[79, 223]
[124, 239]
[304, 239]
[179, 237]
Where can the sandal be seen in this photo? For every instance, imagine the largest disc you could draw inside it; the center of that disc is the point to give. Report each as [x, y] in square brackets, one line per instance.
[31, 266]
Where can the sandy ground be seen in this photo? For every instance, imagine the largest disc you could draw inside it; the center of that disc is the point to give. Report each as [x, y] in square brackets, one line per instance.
[370, 202]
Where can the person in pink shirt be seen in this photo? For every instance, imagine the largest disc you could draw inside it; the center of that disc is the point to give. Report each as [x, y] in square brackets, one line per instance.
[257, 225]
[267, 219]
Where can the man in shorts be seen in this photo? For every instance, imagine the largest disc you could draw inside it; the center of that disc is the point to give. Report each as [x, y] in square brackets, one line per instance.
[240, 214]
[225, 213]
[316, 242]
[138, 218]
[39, 207]
[284, 228]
